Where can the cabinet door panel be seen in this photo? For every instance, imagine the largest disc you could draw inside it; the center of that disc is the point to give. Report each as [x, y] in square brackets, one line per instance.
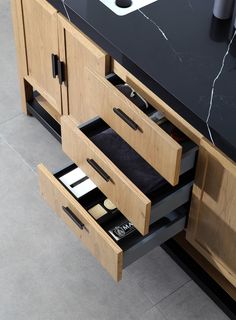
[79, 54]
[41, 36]
[212, 223]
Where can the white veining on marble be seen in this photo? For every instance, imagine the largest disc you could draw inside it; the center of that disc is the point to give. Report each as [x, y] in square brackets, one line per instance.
[213, 87]
[190, 4]
[163, 34]
[155, 24]
[64, 5]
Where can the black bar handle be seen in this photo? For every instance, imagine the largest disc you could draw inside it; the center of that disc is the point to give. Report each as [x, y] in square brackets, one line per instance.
[54, 65]
[61, 71]
[126, 119]
[99, 170]
[73, 217]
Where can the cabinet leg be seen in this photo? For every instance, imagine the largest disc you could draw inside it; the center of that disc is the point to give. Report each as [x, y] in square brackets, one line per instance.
[26, 91]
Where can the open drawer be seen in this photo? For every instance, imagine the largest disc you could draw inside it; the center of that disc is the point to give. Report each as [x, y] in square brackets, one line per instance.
[113, 253]
[140, 193]
[147, 138]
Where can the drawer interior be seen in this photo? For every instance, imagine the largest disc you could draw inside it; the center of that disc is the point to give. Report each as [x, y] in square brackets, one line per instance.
[132, 243]
[150, 182]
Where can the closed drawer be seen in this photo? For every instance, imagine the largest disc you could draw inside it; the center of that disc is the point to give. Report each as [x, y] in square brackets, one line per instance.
[140, 193]
[147, 138]
[114, 255]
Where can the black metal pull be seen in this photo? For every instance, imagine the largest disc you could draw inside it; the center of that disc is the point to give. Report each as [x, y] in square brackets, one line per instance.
[54, 65]
[61, 71]
[126, 119]
[74, 217]
[99, 170]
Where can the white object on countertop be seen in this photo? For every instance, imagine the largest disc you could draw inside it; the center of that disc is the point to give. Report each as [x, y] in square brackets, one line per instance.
[136, 4]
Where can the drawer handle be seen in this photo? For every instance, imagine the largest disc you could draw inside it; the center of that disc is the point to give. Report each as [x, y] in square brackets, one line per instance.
[61, 71]
[54, 65]
[126, 119]
[99, 170]
[73, 217]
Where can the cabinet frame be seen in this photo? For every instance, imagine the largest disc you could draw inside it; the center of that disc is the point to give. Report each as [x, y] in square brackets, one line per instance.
[212, 220]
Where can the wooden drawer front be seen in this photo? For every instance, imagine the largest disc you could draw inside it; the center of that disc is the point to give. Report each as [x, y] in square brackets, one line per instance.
[106, 251]
[127, 197]
[160, 150]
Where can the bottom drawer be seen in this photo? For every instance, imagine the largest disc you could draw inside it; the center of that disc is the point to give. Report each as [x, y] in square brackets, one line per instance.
[107, 234]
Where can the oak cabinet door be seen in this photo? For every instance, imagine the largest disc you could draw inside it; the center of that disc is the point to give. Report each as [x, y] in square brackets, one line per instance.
[79, 54]
[212, 223]
[41, 37]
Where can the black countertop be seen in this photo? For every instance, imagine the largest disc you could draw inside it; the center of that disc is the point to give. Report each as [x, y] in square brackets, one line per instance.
[179, 50]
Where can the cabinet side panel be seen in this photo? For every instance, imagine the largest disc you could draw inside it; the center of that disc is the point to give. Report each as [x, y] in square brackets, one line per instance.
[18, 26]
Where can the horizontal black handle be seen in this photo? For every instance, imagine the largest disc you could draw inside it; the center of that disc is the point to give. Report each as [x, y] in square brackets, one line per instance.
[99, 170]
[73, 217]
[126, 119]
[54, 65]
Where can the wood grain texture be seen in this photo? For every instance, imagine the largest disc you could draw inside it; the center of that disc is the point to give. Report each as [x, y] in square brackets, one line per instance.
[160, 150]
[26, 90]
[212, 223]
[46, 106]
[121, 191]
[78, 53]
[206, 265]
[41, 37]
[157, 103]
[106, 251]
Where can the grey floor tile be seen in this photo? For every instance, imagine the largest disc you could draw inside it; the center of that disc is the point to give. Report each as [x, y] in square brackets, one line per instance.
[157, 274]
[45, 272]
[9, 89]
[152, 314]
[58, 294]
[33, 142]
[190, 303]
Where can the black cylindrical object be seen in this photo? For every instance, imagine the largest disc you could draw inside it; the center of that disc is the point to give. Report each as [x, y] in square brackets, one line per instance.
[123, 3]
[223, 9]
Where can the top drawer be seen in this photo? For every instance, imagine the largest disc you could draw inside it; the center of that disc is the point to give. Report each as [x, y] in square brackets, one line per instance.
[147, 138]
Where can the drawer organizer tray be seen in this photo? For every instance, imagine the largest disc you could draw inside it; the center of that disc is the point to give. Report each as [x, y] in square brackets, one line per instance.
[113, 254]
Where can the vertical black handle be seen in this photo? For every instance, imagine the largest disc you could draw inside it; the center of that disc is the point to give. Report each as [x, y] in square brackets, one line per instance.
[54, 65]
[73, 217]
[126, 119]
[99, 170]
[61, 71]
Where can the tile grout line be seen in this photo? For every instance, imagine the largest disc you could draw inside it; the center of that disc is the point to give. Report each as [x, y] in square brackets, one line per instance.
[156, 305]
[18, 154]
[8, 120]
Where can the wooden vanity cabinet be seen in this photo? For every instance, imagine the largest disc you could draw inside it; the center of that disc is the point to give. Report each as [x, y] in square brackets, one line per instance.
[212, 219]
[40, 32]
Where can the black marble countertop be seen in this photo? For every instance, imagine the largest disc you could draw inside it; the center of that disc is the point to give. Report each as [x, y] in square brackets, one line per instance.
[179, 50]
